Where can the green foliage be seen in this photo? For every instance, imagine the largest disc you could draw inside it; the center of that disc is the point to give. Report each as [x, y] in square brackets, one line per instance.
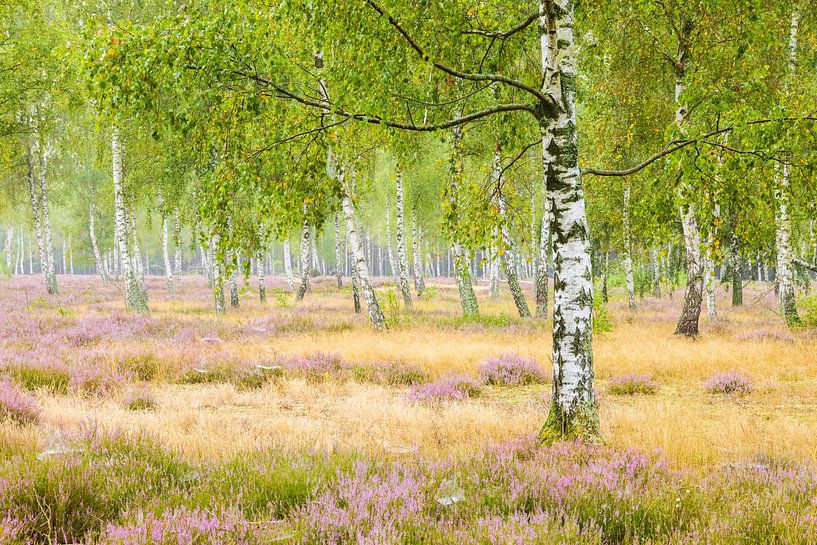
[602, 321]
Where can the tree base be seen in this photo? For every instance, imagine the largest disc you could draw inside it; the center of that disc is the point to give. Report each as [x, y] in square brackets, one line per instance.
[582, 424]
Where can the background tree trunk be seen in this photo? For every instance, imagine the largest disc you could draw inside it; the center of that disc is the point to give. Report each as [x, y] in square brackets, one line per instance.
[402, 261]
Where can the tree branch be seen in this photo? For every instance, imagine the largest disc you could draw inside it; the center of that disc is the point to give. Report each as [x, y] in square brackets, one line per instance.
[676, 145]
[541, 97]
[506, 33]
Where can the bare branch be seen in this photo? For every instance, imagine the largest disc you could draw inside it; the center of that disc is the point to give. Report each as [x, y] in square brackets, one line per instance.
[505, 33]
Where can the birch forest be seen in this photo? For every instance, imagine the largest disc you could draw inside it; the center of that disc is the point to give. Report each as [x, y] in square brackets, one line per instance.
[386, 272]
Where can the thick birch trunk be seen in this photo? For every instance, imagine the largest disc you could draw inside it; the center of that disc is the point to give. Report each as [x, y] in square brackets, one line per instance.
[288, 265]
[134, 297]
[573, 411]
[35, 207]
[402, 260]
[305, 234]
[628, 250]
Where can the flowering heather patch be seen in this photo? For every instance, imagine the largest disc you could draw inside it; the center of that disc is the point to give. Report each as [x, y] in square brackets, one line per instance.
[97, 380]
[183, 527]
[511, 370]
[447, 389]
[16, 405]
[43, 372]
[317, 366]
[140, 400]
[730, 382]
[631, 384]
[392, 373]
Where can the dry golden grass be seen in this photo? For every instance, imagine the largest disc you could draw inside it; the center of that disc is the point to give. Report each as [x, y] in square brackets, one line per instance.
[693, 428]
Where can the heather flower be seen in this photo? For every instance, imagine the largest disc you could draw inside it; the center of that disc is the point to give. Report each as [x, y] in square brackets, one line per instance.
[447, 389]
[730, 382]
[631, 384]
[140, 400]
[96, 380]
[16, 405]
[183, 527]
[317, 366]
[511, 370]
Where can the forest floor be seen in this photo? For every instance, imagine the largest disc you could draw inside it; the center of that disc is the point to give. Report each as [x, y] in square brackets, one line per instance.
[314, 382]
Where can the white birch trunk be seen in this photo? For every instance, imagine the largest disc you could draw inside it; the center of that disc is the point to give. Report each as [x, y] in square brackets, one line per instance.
[628, 250]
[361, 272]
[573, 411]
[134, 297]
[417, 255]
[94, 245]
[177, 257]
[709, 264]
[338, 252]
[392, 263]
[305, 232]
[171, 286]
[9, 240]
[47, 256]
[462, 275]
[402, 262]
[288, 265]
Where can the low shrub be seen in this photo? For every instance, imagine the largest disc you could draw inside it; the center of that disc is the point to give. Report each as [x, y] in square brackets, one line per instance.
[17, 406]
[511, 370]
[631, 384]
[447, 389]
[730, 382]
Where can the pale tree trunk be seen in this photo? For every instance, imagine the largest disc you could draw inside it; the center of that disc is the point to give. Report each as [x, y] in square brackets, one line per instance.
[361, 268]
[605, 296]
[234, 300]
[217, 272]
[417, 255]
[461, 272]
[628, 250]
[544, 249]
[493, 264]
[784, 251]
[177, 257]
[693, 294]
[709, 263]
[573, 410]
[134, 297]
[171, 286]
[100, 265]
[35, 207]
[70, 256]
[782, 195]
[508, 253]
[736, 266]
[9, 240]
[656, 273]
[392, 263]
[64, 256]
[402, 261]
[47, 257]
[316, 265]
[260, 270]
[137, 252]
[534, 231]
[338, 252]
[288, 265]
[305, 233]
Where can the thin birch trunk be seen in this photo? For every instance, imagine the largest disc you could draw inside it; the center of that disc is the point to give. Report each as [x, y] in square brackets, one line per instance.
[462, 275]
[709, 264]
[177, 257]
[417, 255]
[100, 265]
[628, 250]
[47, 256]
[402, 261]
[171, 286]
[134, 297]
[392, 263]
[508, 252]
[260, 270]
[304, 286]
[9, 240]
[288, 265]
[234, 300]
[338, 252]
